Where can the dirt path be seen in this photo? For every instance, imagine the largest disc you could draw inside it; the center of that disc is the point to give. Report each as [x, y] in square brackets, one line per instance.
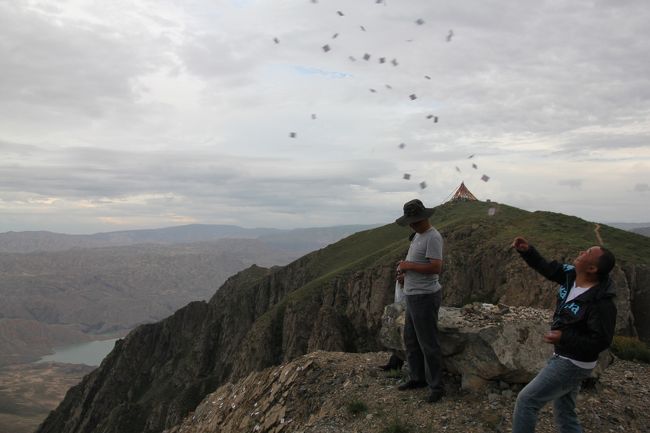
[597, 231]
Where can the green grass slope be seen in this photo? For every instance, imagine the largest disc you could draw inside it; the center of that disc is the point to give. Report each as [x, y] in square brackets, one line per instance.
[550, 231]
[468, 227]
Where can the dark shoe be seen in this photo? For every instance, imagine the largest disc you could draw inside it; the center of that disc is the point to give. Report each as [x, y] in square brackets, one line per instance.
[394, 363]
[435, 396]
[411, 384]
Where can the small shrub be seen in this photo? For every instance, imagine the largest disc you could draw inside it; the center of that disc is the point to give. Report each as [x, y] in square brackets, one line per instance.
[396, 374]
[631, 349]
[356, 407]
[397, 426]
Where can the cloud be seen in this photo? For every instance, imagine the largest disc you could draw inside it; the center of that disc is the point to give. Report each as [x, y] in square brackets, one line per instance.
[641, 187]
[571, 183]
[54, 65]
[118, 112]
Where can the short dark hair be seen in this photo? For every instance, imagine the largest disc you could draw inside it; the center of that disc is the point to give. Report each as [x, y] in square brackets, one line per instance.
[605, 263]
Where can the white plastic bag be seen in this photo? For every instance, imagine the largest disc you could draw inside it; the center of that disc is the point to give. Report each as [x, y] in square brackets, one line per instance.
[399, 293]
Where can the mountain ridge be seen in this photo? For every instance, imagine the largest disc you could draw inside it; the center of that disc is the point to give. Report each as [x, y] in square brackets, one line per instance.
[33, 241]
[331, 299]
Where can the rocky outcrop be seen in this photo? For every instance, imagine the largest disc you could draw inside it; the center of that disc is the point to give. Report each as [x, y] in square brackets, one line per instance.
[485, 342]
[477, 271]
[639, 286]
[327, 392]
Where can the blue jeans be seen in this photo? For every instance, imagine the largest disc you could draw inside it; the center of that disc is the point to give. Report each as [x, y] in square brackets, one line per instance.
[558, 381]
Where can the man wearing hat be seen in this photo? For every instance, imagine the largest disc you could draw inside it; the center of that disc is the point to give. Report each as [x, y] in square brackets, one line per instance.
[420, 271]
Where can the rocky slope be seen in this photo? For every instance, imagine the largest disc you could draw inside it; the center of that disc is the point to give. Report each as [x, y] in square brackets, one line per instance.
[332, 300]
[328, 392]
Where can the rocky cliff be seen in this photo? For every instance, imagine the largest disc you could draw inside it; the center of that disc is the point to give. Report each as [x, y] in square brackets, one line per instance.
[332, 299]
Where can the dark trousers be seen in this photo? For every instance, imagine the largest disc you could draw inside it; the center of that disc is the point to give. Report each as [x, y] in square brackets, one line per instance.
[421, 339]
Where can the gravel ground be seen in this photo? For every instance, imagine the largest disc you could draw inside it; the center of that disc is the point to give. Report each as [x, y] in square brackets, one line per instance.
[325, 392]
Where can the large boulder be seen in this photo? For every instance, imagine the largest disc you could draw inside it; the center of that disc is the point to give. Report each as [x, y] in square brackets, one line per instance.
[484, 342]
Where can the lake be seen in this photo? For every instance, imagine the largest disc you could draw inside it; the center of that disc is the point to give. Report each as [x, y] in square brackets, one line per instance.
[91, 353]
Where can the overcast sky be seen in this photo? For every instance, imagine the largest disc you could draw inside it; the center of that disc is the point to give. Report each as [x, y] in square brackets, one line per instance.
[139, 114]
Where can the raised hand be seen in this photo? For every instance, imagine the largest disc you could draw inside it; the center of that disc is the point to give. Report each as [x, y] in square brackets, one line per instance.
[520, 244]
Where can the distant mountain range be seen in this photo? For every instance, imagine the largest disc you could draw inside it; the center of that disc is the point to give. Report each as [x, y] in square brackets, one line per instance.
[296, 240]
[57, 289]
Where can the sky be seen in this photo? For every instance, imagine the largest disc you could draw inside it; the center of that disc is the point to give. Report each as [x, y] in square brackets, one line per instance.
[120, 114]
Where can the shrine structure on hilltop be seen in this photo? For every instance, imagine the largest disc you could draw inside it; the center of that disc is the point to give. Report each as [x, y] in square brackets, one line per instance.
[463, 194]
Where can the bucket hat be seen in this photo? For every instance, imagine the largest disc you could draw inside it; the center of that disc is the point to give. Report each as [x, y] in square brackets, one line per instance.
[414, 211]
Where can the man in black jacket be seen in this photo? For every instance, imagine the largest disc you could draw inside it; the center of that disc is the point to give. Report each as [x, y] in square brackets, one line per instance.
[583, 326]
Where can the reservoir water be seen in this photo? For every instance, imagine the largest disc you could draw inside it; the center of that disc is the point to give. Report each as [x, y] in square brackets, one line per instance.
[91, 353]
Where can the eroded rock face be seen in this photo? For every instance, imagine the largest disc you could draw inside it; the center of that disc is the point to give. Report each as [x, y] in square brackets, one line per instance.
[639, 278]
[484, 342]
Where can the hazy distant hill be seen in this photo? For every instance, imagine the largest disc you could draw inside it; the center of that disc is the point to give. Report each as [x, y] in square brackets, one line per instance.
[645, 231]
[303, 240]
[640, 228]
[114, 288]
[629, 226]
[24, 340]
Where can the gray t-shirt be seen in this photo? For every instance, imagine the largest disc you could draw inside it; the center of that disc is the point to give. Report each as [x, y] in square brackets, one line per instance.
[424, 246]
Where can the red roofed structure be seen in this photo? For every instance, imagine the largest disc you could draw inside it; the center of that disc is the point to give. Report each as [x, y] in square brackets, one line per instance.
[463, 194]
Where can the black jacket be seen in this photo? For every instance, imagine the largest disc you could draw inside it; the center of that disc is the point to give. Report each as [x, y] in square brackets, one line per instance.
[588, 321]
